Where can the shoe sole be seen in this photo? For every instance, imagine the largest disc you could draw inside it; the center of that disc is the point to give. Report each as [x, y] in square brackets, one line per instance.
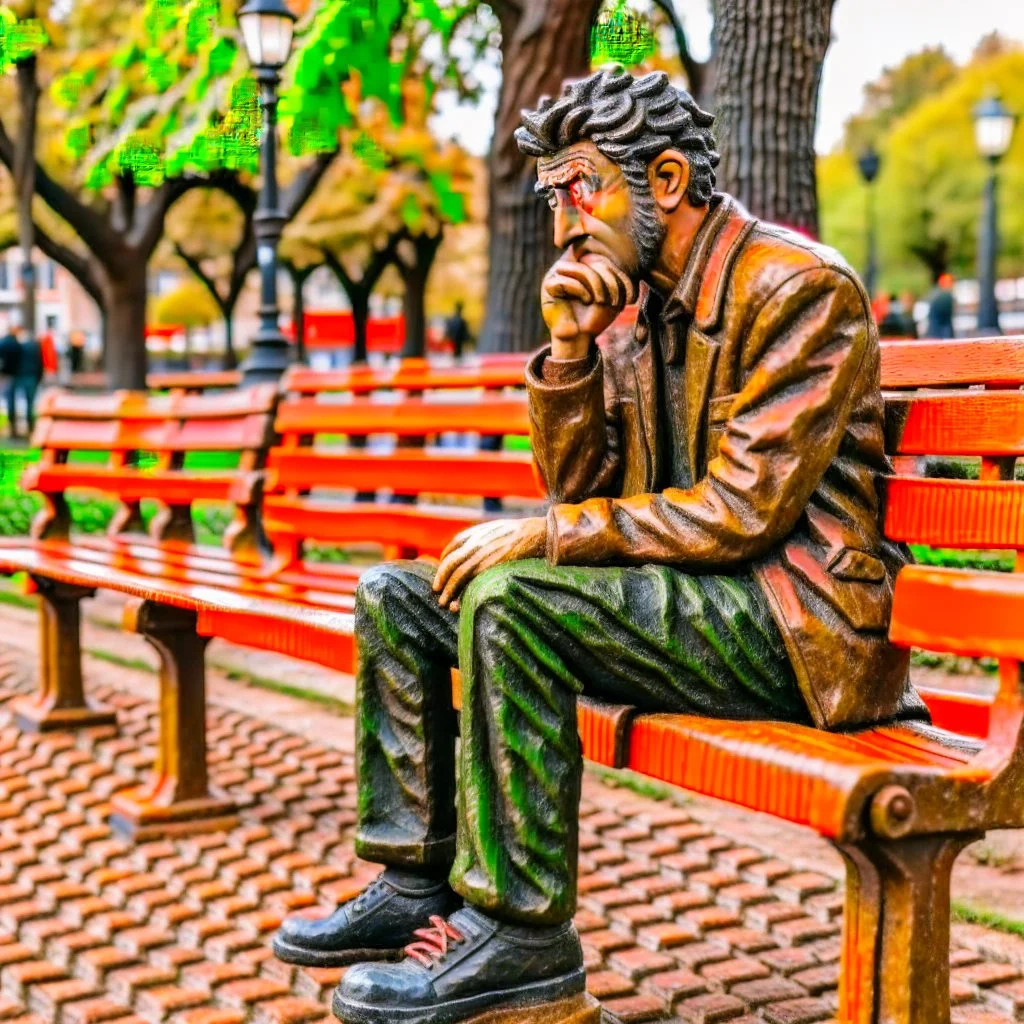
[302, 957]
[456, 1010]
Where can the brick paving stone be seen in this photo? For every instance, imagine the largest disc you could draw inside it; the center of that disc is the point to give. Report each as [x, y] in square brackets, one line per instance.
[680, 923]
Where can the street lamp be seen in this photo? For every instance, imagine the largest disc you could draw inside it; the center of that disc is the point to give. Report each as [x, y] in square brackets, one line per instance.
[993, 132]
[267, 28]
[870, 163]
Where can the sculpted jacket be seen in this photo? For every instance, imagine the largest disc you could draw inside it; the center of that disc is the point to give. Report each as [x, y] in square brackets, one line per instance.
[782, 418]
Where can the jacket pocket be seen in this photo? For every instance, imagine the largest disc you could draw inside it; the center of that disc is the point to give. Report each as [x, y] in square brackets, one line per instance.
[718, 416]
[864, 601]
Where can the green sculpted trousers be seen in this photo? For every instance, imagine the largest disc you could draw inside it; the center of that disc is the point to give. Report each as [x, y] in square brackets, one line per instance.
[502, 818]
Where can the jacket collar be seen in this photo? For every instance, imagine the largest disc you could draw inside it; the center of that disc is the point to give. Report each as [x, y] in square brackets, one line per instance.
[700, 293]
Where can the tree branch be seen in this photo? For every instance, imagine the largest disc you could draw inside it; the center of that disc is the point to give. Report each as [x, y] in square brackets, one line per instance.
[77, 266]
[305, 183]
[93, 229]
[195, 265]
[696, 72]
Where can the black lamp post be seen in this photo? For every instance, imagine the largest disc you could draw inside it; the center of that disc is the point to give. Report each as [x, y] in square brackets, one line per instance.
[993, 130]
[869, 164]
[267, 27]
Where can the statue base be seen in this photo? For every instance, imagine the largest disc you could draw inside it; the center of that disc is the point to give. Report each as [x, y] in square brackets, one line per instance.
[582, 1009]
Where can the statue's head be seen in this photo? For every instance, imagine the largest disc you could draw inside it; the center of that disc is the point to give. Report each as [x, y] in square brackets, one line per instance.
[617, 156]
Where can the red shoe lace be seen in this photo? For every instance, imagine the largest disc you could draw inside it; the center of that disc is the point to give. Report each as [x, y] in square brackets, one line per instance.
[434, 941]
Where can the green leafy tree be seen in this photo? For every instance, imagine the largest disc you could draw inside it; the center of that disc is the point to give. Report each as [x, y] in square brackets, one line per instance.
[930, 187]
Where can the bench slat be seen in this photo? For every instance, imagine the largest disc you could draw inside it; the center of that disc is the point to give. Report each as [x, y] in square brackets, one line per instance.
[996, 362]
[955, 513]
[175, 487]
[167, 435]
[408, 471]
[957, 611]
[426, 529]
[411, 375]
[955, 423]
[138, 405]
[411, 418]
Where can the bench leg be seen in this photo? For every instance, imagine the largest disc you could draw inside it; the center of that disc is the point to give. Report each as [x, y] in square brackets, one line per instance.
[177, 799]
[60, 702]
[895, 967]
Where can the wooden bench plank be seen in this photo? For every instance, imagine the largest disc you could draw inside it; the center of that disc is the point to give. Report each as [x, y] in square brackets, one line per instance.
[412, 417]
[955, 423]
[407, 471]
[995, 362]
[955, 513]
[957, 611]
[409, 375]
[426, 529]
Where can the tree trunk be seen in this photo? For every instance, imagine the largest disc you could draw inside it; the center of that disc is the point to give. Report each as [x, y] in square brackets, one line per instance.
[299, 314]
[768, 56]
[541, 47]
[414, 301]
[360, 319]
[25, 185]
[124, 355]
[230, 356]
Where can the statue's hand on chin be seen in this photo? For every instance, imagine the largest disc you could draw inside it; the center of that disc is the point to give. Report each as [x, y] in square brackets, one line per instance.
[581, 299]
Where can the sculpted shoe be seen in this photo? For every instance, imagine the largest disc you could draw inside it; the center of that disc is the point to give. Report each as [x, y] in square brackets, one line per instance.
[461, 967]
[373, 926]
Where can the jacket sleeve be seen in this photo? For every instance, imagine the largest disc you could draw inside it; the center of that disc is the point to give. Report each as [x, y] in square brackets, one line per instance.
[575, 431]
[801, 357]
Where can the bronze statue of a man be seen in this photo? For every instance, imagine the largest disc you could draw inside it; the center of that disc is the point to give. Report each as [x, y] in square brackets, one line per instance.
[713, 547]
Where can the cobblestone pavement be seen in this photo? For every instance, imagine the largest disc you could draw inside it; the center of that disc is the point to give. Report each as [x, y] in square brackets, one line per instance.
[680, 922]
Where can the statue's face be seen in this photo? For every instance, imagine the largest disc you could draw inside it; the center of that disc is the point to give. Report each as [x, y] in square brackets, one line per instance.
[592, 204]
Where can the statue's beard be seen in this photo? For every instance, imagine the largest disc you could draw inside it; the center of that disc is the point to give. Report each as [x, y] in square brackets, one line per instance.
[647, 228]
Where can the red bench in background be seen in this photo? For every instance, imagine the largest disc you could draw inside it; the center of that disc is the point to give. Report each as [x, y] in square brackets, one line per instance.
[899, 802]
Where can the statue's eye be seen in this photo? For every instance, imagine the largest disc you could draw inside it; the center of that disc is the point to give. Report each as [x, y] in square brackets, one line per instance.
[582, 194]
[553, 200]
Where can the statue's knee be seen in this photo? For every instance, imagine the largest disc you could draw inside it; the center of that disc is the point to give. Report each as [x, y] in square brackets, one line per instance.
[378, 584]
[496, 587]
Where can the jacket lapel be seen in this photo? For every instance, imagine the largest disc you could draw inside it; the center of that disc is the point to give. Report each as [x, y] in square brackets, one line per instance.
[701, 355]
[646, 369]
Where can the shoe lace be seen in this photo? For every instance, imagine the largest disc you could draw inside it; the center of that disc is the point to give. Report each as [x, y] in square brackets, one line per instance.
[434, 941]
[370, 891]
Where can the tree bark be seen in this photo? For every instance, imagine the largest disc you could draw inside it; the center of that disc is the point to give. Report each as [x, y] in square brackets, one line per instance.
[124, 351]
[415, 277]
[766, 73]
[543, 42]
[25, 183]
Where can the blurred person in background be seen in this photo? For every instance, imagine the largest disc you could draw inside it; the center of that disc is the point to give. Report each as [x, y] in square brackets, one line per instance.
[909, 301]
[456, 330]
[941, 307]
[10, 364]
[76, 351]
[27, 379]
[898, 321]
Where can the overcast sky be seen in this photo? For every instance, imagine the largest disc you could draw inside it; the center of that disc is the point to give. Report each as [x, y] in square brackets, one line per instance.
[868, 36]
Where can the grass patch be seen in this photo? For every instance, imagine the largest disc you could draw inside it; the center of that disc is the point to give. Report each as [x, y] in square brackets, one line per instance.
[324, 700]
[966, 913]
[18, 600]
[135, 664]
[639, 784]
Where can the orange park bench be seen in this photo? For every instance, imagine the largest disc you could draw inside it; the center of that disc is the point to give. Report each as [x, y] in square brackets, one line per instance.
[900, 802]
[266, 588]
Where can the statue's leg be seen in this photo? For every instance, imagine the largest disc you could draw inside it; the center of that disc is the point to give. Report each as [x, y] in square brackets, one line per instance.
[533, 636]
[405, 724]
[405, 756]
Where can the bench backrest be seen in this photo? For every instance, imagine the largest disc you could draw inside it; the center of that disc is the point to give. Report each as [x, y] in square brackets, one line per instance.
[347, 436]
[961, 400]
[133, 446]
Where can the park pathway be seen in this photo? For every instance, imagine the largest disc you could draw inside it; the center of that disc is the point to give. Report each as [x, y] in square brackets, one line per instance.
[682, 919]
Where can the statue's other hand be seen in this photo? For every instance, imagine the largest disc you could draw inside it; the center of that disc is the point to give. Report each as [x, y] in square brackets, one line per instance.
[579, 300]
[482, 547]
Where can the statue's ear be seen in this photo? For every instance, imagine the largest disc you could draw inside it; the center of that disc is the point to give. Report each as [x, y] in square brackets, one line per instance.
[669, 175]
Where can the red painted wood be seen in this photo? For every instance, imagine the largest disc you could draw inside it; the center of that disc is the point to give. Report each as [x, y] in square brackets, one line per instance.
[976, 614]
[964, 713]
[956, 423]
[425, 529]
[955, 513]
[407, 471]
[410, 375]
[997, 362]
[412, 417]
